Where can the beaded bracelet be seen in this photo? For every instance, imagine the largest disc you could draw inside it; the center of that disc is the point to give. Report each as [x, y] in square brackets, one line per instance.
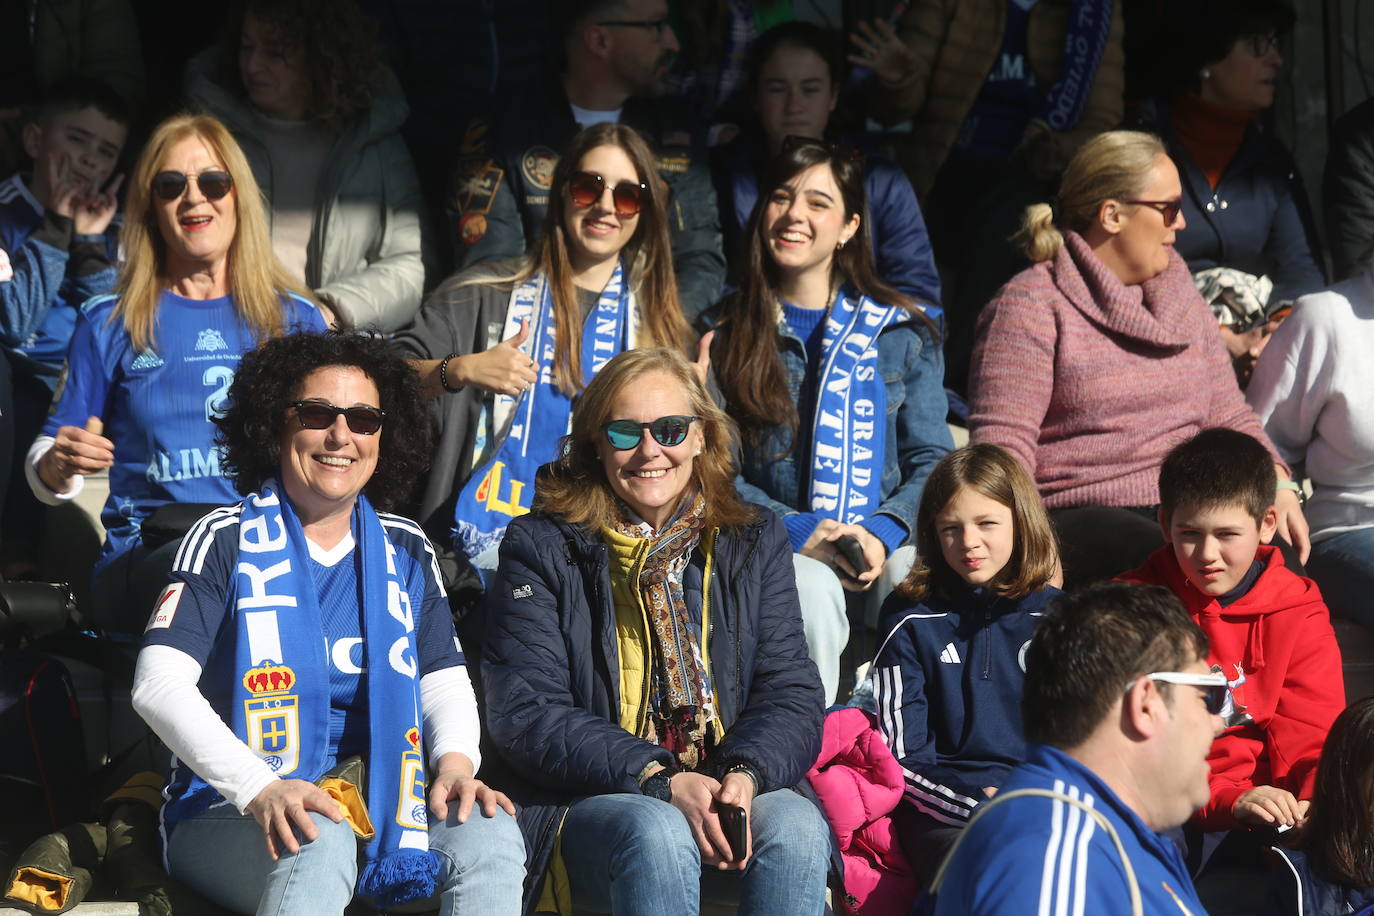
[443, 374]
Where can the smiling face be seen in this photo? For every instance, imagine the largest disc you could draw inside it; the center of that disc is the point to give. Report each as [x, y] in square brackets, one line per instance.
[273, 71]
[976, 535]
[596, 234]
[195, 229]
[1244, 80]
[794, 96]
[650, 478]
[1216, 545]
[90, 142]
[804, 222]
[324, 470]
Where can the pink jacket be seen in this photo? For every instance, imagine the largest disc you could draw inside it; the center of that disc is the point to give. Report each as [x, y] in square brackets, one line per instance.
[859, 784]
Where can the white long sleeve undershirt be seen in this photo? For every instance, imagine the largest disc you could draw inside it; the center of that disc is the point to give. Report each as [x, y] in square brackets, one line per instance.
[166, 696]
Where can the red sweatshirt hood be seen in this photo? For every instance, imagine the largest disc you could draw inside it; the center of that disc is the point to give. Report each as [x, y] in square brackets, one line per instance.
[1237, 630]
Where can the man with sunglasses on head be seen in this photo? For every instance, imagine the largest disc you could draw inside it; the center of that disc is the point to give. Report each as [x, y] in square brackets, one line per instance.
[1120, 710]
[616, 55]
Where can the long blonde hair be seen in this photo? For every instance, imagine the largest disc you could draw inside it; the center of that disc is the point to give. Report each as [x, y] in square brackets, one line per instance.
[1110, 166]
[256, 279]
[647, 256]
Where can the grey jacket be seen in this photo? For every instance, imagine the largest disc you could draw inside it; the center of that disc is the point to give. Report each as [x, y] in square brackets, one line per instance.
[364, 257]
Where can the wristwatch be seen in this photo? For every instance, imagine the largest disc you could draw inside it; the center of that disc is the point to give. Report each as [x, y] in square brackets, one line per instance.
[659, 785]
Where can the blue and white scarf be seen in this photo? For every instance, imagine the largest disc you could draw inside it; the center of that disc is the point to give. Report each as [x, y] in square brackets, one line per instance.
[503, 487]
[1085, 39]
[849, 432]
[279, 702]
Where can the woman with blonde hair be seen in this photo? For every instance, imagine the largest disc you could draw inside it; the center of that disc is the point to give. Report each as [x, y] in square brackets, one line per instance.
[491, 343]
[1093, 363]
[646, 678]
[150, 364]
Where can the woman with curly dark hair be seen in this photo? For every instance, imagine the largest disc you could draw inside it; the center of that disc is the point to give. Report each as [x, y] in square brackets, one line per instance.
[253, 662]
[301, 85]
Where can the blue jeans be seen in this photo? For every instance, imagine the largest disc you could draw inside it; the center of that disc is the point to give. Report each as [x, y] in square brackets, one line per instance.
[631, 854]
[221, 855]
[1343, 566]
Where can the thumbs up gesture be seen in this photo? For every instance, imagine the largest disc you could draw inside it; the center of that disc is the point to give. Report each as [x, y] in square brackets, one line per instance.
[503, 369]
[75, 452]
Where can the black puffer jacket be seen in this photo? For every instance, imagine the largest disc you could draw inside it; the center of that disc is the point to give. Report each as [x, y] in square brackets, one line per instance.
[551, 665]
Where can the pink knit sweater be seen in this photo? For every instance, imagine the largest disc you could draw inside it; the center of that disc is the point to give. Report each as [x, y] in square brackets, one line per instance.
[1090, 382]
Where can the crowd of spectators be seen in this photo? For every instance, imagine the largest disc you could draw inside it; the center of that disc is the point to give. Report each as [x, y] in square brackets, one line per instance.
[661, 319]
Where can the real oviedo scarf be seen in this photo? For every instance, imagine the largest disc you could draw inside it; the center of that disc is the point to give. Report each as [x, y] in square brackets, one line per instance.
[279, 702]
[849, 431]
[503, 488]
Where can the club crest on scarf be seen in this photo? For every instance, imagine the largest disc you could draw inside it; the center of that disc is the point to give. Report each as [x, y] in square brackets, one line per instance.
[849, 431]
[273, 716]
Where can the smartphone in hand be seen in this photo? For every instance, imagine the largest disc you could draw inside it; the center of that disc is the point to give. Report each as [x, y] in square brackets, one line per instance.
[735, 823]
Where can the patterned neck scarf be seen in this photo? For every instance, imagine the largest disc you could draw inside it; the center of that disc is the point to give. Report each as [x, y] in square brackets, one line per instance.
[681, 702]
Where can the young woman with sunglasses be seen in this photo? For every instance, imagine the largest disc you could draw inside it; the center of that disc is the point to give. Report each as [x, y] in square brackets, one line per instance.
[252, 669]
[149, 365]
[1092, 364]
[645, 669]
[491, 342]
[302, 86]
[836, 380]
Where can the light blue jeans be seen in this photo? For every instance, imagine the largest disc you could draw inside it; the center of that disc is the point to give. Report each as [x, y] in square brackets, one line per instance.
[1343, 566]
[825, 619]
[630, 854]
[221, 855]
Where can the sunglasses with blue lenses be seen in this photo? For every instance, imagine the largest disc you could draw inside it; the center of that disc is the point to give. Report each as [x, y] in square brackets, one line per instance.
[667, 431]
[365, 421]
[1213, 685]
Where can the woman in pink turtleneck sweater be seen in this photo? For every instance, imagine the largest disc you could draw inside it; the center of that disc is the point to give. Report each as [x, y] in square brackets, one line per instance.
[1097, 360]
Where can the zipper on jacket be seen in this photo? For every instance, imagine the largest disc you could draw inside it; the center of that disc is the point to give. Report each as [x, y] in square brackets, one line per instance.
[987, 645]
[636, 570]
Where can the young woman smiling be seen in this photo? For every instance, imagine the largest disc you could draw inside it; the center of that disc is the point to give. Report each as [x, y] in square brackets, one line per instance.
[507, 347]
[835, 380]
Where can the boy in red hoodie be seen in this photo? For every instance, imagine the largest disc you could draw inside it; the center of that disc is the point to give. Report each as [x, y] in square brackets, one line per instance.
[1268, 628]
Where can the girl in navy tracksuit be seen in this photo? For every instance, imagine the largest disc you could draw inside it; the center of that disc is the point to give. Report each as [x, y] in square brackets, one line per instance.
[1334, 873]
[949, 674]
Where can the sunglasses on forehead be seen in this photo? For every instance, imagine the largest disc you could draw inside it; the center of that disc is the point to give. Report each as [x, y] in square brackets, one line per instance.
[365, 421]
[1213, 686]
[213, 183]
[586, 188]
[667, 431]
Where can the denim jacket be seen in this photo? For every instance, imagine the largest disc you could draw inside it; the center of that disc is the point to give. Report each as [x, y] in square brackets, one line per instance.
[913, 368]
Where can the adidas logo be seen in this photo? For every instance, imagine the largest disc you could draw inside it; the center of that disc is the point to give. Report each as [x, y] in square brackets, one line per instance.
[147, 360]
[950, 655]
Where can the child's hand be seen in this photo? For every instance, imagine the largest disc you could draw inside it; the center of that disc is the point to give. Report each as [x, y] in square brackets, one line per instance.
[93, 213]
[1269, 806]
[64, 189]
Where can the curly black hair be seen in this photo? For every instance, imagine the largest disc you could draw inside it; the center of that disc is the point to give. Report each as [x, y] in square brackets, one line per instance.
[270, 377]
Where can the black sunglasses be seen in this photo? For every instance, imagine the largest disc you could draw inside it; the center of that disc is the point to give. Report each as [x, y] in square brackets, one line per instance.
[213, 183]
[365, 421]
[654, 25]
[1167, 208]
[667, 431]
[586, 188]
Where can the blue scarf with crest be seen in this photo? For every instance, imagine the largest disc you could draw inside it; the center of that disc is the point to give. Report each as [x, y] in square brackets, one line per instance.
[279, 701]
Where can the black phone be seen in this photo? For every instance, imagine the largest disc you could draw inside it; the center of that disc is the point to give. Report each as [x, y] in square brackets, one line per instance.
[849, 547]
[735, 822]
